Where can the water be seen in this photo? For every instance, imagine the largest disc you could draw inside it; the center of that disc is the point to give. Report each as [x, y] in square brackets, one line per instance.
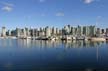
[33, 55]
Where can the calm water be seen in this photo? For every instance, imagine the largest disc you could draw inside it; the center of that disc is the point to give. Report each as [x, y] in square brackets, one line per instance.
[52, 55]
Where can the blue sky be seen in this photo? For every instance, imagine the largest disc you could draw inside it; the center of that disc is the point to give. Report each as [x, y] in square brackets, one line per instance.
[41, 13]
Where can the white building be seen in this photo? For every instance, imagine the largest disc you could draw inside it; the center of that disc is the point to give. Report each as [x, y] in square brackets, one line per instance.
[47, 32]
[3, 34]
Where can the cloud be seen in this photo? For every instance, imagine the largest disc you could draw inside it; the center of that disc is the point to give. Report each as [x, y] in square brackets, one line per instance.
[8, 7]
[60, 14]
[88, 1]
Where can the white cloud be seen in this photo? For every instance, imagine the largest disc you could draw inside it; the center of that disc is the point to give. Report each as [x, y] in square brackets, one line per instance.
[60, 14]
[7, 8]
[88, 1]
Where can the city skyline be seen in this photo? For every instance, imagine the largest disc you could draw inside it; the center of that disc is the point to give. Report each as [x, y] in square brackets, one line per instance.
[57, 13]
[54, 31]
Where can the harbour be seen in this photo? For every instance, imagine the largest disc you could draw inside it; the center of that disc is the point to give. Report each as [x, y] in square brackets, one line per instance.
[53, 35]
[22, 54]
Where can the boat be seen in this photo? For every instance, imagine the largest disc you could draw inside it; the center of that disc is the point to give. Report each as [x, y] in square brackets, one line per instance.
[66, 38]
[80, 38]
[98, 39]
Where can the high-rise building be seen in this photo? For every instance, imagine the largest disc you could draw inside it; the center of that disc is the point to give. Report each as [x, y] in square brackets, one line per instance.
[79, 30]
[85, 30]
[73, 31]
[8, 33]
[102, 31]
[36, 33]
[18, 32]
[67, 29]
[92, 30]
[89, 30]
[31, 32]
[47, 32]
[57, 31]
[53, 31]
[13, 32]
[27, 32]
[98, 32]
[24, 33]
[106, 31]
[3, 32]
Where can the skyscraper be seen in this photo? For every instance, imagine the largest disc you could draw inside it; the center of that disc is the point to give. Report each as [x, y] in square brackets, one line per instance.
[47, 32]
[79, 30]
[3, 32]
[92, 30]
[53, 31]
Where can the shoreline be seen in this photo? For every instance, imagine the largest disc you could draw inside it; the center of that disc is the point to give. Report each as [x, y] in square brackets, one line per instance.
[86, 39]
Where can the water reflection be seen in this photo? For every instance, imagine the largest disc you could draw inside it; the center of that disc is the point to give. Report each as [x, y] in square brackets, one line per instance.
[56, 44]
[81, 43]
[6, 42]
[50, 44]
[64, 54]
[38, 43]
[24, 43]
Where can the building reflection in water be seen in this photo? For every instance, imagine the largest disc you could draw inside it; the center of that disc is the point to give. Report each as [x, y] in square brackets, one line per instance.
[63, 44]
[60, 54]
[24, 43]
[82, 44]
[6, 42]
[46, 44]
[37, 43]
[50, 44]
